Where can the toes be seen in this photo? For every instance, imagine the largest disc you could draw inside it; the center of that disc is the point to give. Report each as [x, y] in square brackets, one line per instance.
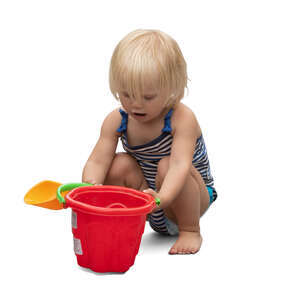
[173, 250]
[176, 249]
[187, 251]
[186, 244]
[194, 250]
[181, 250]
[190, 250]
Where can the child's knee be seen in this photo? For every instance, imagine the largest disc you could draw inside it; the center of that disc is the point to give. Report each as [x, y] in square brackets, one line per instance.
[162, 170]
[121, 165]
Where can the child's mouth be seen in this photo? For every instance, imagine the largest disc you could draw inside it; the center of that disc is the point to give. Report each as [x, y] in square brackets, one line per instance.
[139, 114]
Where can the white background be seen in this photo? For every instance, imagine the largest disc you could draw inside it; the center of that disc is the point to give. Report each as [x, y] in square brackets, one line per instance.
[243, 63]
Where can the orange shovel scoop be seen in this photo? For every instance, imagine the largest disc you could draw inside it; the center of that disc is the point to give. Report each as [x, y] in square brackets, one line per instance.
[43, 194]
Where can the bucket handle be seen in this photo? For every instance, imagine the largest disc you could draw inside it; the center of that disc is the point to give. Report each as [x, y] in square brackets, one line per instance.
[68, 187]
[116, 204]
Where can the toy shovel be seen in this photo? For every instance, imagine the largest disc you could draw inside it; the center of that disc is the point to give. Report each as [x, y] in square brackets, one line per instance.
[44, 194]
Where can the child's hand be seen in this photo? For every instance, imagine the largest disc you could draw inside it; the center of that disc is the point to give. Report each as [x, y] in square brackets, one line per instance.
[92, 182]
[155, 195]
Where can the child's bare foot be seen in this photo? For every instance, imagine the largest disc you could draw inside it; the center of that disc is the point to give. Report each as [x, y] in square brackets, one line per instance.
[187, 243]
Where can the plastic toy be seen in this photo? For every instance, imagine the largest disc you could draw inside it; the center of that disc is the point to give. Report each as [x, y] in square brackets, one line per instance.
[107, 221]
[44, 194]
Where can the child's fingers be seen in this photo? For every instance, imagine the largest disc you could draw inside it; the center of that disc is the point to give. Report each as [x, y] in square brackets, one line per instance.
[150, 191]
[93, 182]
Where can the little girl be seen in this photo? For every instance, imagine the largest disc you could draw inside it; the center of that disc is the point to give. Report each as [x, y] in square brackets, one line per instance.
[165, 151]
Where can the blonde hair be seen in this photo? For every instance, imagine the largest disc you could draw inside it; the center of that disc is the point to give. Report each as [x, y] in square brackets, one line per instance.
[148, 57]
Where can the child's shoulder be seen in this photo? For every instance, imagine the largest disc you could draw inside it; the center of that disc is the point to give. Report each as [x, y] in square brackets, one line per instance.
[113, 116]
[181, 110]
[183, 116]
[113, 120]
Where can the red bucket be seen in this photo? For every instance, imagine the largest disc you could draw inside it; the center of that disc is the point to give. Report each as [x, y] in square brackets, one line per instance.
[107, 224]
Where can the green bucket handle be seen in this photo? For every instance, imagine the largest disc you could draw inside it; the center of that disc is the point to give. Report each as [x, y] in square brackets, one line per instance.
[68, 187]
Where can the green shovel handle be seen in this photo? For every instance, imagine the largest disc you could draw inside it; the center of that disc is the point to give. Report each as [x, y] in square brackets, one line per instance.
[68, 187]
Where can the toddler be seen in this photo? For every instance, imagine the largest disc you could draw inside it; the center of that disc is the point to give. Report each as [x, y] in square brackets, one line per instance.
[165, 151]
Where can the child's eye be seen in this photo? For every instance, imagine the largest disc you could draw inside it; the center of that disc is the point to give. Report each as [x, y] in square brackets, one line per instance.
[149, 97]
[126, 95]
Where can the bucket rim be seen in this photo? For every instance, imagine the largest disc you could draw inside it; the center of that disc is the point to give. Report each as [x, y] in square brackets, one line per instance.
[104, 211]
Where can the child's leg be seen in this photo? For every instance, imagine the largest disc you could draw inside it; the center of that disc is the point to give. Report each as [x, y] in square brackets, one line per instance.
[125, 171]
[186, 209]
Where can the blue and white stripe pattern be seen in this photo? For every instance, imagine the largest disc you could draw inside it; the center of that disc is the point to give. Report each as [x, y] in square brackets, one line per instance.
[149, 155]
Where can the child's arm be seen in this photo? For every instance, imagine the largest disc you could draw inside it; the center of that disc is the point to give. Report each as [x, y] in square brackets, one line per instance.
[103, 153]
[186, 131]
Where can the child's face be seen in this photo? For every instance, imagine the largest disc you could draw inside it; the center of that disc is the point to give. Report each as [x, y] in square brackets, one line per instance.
[150, 107]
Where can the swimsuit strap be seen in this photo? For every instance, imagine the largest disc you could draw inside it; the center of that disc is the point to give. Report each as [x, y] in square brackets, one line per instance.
[168, 116]
[123, 126]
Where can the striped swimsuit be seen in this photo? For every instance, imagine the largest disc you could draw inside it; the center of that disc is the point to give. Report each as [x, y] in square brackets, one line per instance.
[149, 155]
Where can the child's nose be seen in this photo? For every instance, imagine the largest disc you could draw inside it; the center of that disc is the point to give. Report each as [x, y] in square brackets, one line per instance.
[136, 103]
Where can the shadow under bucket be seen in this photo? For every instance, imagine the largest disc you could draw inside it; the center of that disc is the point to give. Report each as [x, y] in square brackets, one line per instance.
[107, 224]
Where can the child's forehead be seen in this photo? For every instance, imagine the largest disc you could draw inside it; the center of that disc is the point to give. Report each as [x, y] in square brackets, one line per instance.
[149, 88]
[146, 88]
